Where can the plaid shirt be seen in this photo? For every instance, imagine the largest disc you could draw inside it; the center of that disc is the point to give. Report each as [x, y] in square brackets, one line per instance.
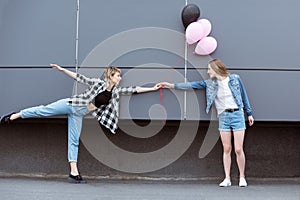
[107, 115]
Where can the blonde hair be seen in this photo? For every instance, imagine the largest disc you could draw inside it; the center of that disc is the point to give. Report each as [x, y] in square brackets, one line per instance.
[219, 67]
[110, 71]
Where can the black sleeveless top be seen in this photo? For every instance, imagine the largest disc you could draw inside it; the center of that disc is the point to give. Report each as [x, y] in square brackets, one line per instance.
[102, 98]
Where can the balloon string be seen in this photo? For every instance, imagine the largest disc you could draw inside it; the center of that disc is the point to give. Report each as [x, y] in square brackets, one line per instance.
[161, 103]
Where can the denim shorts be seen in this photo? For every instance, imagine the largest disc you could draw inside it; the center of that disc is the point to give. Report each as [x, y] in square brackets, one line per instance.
[232, 121]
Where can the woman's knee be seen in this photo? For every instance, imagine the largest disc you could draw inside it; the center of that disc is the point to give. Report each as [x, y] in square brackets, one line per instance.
[227, 149]
[239, 151]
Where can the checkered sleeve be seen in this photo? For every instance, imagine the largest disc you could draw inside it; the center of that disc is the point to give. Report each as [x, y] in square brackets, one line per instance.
[85, 80]
[128, 90]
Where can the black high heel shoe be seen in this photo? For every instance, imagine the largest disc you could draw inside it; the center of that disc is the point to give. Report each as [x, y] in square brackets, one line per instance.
[6, 119]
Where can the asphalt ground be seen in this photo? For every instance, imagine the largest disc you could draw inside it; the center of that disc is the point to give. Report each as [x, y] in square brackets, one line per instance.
[15, 188]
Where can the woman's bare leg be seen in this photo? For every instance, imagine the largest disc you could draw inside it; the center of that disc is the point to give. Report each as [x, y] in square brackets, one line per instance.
[227, 147]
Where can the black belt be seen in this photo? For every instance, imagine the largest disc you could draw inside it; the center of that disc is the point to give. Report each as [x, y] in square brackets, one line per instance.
[231, 109]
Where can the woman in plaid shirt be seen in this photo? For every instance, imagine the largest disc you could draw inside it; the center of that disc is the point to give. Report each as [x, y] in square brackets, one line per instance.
[105, 93]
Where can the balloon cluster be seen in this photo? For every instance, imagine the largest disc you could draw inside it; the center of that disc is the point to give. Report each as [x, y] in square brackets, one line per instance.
[198, 30]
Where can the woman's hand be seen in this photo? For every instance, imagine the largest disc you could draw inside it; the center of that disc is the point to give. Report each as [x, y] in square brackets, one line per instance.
[156, 87]
[251, 120]
[57, 67]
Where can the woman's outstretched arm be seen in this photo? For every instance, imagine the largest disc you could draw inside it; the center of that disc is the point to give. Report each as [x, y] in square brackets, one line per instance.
[147, 89]
[68, 72]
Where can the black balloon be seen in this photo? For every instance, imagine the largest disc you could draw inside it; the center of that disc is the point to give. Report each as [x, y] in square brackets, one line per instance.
[189, 14]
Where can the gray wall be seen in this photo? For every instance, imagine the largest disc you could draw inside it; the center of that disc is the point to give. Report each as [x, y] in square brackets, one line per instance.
[256, 39]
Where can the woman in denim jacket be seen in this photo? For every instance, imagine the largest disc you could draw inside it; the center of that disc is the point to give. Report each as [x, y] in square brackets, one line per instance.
[229, 95]
[101, 98]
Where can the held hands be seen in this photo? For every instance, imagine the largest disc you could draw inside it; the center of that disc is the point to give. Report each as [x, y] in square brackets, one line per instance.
[162, 85]
[166, 85]
[156, 86]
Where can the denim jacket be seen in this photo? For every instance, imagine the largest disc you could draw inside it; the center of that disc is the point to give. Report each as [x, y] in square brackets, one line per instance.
[235, 84]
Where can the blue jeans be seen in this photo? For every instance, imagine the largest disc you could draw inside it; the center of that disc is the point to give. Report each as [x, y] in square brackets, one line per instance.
[60, 107]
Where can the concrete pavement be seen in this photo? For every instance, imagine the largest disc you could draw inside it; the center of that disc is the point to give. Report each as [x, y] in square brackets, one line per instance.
[15, 188]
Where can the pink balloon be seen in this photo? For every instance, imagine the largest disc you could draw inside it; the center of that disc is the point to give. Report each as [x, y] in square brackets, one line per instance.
[206, 26]
[194, 32]
[206, 46]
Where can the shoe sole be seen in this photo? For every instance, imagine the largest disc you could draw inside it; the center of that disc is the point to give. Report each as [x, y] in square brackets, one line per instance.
[224, 185]
[70, 180]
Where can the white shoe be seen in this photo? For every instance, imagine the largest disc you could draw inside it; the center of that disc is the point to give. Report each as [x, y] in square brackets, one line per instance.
[225, 183]
[243, 182]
